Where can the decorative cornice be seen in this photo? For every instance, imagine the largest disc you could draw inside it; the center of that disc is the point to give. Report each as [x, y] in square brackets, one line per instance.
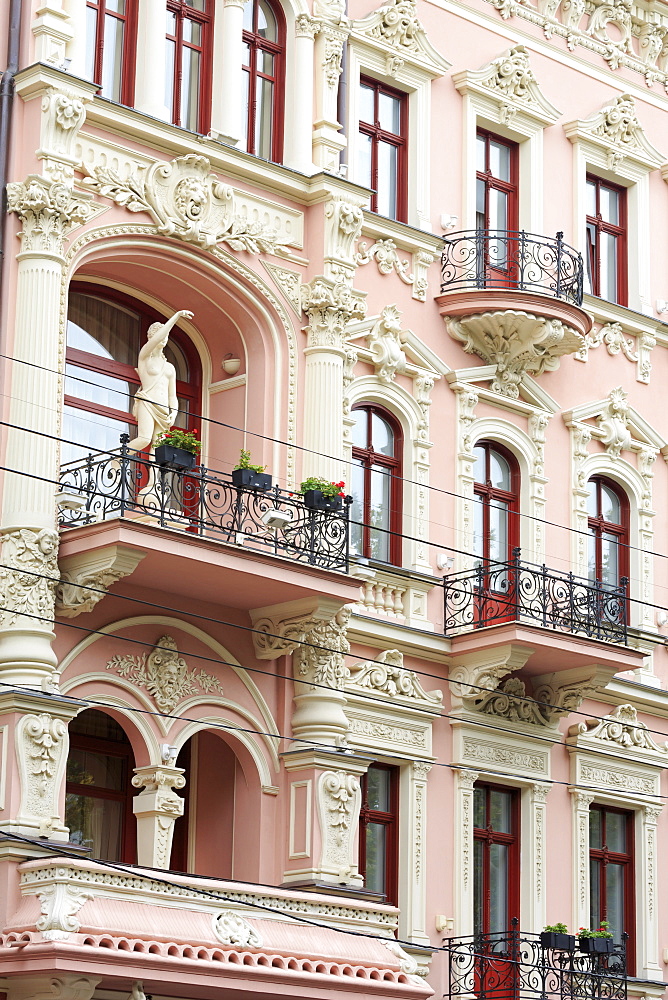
[386, 675]
[510, 82]
[622, 731]
[396, 28]
[616, 130]
[232, 929]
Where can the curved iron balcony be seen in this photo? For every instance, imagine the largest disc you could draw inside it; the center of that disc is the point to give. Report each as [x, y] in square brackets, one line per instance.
[525, 262]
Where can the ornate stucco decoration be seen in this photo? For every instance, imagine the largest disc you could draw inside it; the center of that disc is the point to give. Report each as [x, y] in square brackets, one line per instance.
[41, 746]
[339, 800]
[516, 343]
[385, 342]
[343, 224]
[157, 807]
[613, 337]
[49, 211]
[232, 929]
[510, 82]
[384, 253]
[60, 903]
[86, 577]
[186, 201]
[330, 306]
[28, 577]
[542, 705]
[396, 27]
[387, 675]
[475, 676]
[621, 727]
[616, 130]
[637, 759]
[289, 283]
[63, 114]
[165, 675]
[408, 964]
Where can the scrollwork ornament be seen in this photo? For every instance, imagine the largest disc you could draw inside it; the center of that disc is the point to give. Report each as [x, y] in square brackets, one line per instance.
[28, 577]
[41, 747]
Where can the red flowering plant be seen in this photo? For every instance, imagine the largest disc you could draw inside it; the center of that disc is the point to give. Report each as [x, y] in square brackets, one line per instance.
[177, 437]
[601, 932]
[325, 487]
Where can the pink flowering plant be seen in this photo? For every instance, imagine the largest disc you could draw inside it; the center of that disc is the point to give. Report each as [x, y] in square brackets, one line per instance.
[177, 437]
[327, 488]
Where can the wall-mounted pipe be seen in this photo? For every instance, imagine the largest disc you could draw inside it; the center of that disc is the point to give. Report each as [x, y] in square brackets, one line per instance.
[6, 108]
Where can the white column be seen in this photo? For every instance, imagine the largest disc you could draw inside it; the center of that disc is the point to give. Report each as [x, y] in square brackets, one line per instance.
[328, 139]
[581, 802]
[76, 49]
[299, 154]
[649, 965]
[157, 808]
[463, 866]
[534, 905]
[413, 853]
[151, 53]
[227, 107]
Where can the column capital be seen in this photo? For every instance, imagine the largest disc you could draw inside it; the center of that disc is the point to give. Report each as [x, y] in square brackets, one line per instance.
[157, 808]
[305, 25]
[330, 305]
[48, 211]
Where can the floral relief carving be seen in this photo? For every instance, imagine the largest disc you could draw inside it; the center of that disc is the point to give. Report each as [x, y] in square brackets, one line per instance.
[613, 338]
[60, 904]
[617, 130]
[613, 423]
[320, 657]
[621, 727]
[330, 306]
[384, 252]
[344, 218]
[339, 803]
[63, 114]
[185, 200]
[232, 929]
[164, 674]
[48, 210]
[387, 675]
[385, 342]
[29, 578]
[399, 25]
[42, 747]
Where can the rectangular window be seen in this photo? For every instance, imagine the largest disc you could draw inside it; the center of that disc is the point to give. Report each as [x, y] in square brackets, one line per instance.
[382, 162]
[496, 182]
[187, 83]
[110, 47]
[496, 870]
[611, 882]
[606, 240]
[379, 831]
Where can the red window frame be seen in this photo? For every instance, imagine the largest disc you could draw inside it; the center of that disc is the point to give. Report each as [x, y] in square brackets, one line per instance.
[111, 748]
[399, 140]
[390, 820]
[487, 836]
[183, 11]
[129, 19]
[257, 44]
[190, 390]
[620, 231]
[492, 183]
[598, 527]
[368, 458]
[626, 859]
[485, 493]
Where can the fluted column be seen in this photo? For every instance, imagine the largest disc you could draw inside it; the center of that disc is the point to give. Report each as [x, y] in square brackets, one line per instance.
[157, 808]
[300, 150]
[151, 53]
[227, 106]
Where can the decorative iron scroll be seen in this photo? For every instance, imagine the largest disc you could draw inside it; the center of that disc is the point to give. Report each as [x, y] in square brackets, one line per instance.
[496, 592]
[123, 484]
[497, 258]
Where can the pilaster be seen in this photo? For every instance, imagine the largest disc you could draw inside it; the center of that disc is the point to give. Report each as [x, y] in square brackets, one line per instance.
[157, 807]
[413, 853]
[226, 114]
[463, 851]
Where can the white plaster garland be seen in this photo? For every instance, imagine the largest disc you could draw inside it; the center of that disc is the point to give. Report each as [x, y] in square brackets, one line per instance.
[41, 745]
[613, 337]
[164, 674]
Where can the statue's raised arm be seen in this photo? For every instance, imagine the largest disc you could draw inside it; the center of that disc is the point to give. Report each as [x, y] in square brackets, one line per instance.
[156, 405]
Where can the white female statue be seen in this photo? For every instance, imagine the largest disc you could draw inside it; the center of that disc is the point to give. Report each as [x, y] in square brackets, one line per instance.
[155, 404]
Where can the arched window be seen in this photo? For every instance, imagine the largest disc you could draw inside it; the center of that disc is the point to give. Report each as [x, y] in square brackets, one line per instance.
[98, 801]
[376, 485]
[187, 71]
[111, 27]
[263, 66]
[608, 553]
[104, 336]
[497, 480]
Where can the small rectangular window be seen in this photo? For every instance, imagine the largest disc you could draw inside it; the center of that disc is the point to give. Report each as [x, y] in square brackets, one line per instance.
[606, 240]
[379, 829]
[382, 162]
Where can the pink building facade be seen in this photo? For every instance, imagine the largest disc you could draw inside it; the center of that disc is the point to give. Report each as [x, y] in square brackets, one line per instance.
[256, 746]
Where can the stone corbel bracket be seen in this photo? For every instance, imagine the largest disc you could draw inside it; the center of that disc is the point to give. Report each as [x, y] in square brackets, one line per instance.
[475, 675]
[85, 578]
[278, 630]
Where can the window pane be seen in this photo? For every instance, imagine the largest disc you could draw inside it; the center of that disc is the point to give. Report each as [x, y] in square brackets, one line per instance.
[99, 770]
[359, 428]
[498, 530]
[103, 328]
[117, 6]
[96, 824]
[376, 849]
[190, 70]
[366, 104]
[381, 436]
[610, 560]
[197, 5]
[192, 31]
[389, 113]
[498, 211]
[498, 888]
[480, 147]
[248, 17]
[499, 471]
[592, 499]
[113, 58]
[479, 808]
[591, 198]
[90, 432]
[364, 160]
[610, 505]
[615, 832]
[99, 725]
[357, 509]
[590, 277]
[591, 557]
[478, 529]
[499, 160]
[380, 513]
[387, 180]
[614, 893]
[478, 887]
[595, 828]
[608, 264]
[266, 22]
[91, 41]
[246, 101]
[479, 465]
[609, 205]
[105, 390]
[264, 92]
[378, 789]
[480, 217]
[265, 62]
[500, 814]
[595, 916]
[170, 56]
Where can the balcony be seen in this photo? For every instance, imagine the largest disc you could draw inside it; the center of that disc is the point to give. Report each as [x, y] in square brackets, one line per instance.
[517, 591]
[516, 966]
[515, 300]
[202, 503]
[491, 259]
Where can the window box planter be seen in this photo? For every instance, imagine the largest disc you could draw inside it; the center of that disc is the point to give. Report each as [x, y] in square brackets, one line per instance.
[316, 500]
[560, 942]
[251, 480]
[596, 946]
[175, 458]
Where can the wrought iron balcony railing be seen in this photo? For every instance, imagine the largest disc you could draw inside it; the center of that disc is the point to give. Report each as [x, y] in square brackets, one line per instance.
[497, 258]
[123, 485]
[497, 592]
[516, 966]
